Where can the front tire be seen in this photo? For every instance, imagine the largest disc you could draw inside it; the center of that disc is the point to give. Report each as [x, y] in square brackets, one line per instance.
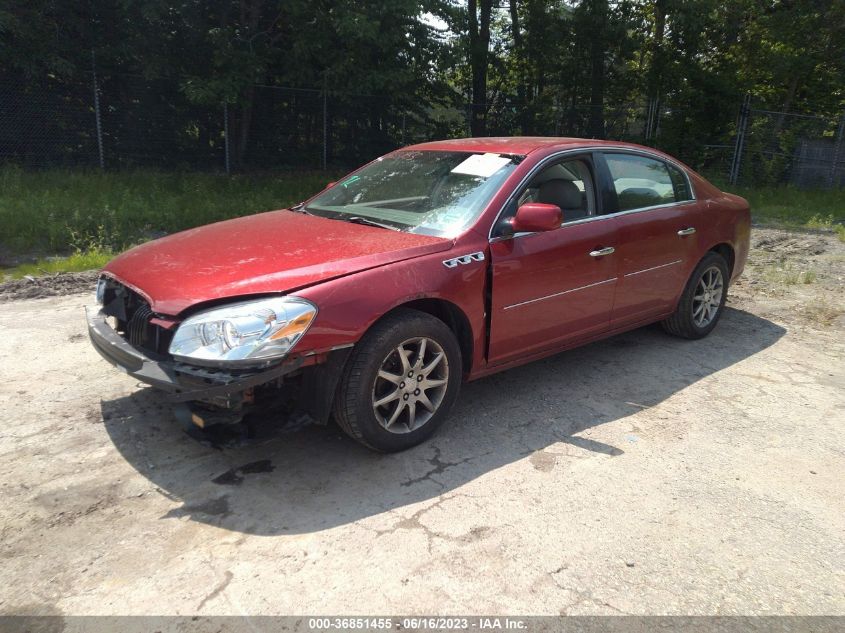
[400, 382]
[703, 300]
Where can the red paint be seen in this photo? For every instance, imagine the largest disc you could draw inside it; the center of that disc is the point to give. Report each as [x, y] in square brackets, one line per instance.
[547, 289]
[270, 252]
[536, 216]
[355, 274]
[654, 261]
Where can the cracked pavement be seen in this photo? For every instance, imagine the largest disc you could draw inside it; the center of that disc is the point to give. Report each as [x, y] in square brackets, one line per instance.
[642, 474]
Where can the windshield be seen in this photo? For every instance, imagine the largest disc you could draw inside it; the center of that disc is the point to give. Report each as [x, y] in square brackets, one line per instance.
[434, 193]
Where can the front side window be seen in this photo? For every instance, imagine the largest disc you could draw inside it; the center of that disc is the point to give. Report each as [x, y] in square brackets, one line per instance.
[567, 184]
[642, 182]
[429, 192]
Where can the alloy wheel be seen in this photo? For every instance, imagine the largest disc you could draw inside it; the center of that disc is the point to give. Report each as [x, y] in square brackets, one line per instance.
[708, 297]
[410, 385]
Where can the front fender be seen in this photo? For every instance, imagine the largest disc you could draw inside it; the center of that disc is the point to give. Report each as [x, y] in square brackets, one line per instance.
[349, 306]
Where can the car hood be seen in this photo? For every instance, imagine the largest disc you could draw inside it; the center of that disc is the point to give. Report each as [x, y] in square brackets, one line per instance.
[278, 251]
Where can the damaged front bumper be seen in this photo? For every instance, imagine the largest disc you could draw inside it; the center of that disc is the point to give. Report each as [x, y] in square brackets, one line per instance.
[180, 381]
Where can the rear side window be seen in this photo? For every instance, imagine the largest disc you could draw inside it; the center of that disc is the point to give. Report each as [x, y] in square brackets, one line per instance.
[645, 182]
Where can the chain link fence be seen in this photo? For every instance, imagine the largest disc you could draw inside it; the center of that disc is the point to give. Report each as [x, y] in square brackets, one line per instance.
[783, 147]
[121, 121]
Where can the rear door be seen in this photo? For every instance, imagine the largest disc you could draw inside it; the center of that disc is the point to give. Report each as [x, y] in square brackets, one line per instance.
[555, 286]
[656, 219]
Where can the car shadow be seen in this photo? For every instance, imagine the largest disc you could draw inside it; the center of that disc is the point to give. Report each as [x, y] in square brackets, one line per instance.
[317, 478]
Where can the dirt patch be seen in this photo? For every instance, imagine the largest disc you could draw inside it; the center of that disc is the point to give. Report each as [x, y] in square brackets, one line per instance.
[796, 277]
[48, 286]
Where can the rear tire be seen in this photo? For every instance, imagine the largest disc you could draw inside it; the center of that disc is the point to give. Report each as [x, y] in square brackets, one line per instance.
[400, 382]
[703, 301]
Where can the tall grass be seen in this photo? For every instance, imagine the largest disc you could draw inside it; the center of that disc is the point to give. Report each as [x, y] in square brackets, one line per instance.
[792, 207]
[63, 212]
[77, 262]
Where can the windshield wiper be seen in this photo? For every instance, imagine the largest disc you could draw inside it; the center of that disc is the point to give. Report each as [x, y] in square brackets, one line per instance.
[357, 219]
[300, 208]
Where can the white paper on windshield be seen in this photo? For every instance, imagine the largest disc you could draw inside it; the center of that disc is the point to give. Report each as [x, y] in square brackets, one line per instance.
[482, 165]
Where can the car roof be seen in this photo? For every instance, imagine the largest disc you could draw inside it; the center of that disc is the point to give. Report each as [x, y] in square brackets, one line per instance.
[517, 144]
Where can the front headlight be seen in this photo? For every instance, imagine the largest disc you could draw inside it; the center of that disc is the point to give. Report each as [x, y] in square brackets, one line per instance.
[243, 333]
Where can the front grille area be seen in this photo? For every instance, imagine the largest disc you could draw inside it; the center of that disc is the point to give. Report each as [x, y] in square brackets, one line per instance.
[132, 316]
[138, 324]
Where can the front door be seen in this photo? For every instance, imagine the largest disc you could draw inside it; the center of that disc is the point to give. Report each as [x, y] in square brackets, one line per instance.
[555, 286]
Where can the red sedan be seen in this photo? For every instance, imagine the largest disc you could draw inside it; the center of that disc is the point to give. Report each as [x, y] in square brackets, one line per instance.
[435, 264]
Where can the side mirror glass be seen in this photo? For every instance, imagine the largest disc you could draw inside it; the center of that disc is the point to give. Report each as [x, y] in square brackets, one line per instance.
[536, 216]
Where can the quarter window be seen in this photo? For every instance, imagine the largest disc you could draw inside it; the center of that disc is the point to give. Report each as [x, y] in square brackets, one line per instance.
[645, 182]
[680, 184]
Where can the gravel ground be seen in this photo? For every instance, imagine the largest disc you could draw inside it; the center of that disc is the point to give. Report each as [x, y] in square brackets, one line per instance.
[642, 474]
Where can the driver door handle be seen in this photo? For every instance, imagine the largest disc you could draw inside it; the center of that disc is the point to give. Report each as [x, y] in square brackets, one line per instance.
[608, 250]
[687, 231]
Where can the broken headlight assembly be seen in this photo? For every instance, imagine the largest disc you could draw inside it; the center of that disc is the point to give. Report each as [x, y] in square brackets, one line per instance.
[252, 333]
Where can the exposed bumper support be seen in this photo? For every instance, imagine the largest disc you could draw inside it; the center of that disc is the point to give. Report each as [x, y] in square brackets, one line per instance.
[180, 381]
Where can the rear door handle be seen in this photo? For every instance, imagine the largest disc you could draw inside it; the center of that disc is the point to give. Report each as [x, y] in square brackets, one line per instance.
[687, 231]
[608, 250]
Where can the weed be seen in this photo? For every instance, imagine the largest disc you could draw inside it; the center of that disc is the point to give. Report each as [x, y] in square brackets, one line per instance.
[77, 262]
[786, 274]
[821, 312]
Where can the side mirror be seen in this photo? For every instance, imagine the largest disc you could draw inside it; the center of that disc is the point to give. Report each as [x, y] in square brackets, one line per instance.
[537, 216]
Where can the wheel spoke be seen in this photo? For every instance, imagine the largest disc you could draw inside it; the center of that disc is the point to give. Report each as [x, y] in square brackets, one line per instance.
[699, 308]
[424, 401]
[394, 395]
[386, 375]
[431, 383]
[403, 356]
[421, 353]
[399, 406]
[434, 362]
[412, 415]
